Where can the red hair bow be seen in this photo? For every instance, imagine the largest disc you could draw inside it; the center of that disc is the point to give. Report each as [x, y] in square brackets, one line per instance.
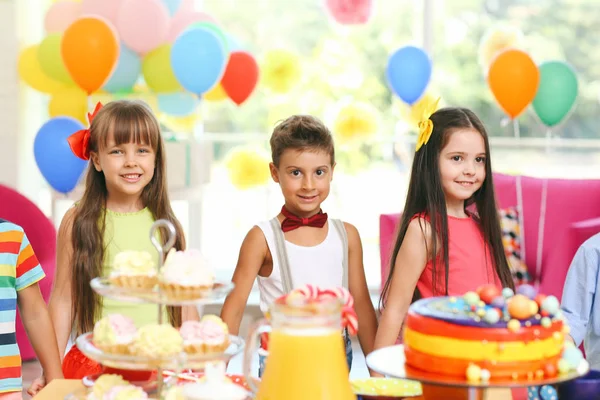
[80, 140]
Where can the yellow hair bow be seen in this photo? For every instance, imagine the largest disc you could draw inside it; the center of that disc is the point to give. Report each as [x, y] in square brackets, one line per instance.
[426, 125]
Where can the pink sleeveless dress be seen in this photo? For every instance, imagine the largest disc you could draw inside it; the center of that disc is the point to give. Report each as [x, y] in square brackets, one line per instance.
[470, 262]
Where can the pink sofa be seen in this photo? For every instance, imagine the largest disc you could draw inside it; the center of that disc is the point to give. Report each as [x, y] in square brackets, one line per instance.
[18, 209]
[572, 216]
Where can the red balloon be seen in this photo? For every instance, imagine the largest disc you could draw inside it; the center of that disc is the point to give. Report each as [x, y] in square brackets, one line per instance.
[240, 77]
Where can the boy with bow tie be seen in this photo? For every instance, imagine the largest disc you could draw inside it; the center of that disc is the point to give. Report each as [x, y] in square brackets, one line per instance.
[301, 245]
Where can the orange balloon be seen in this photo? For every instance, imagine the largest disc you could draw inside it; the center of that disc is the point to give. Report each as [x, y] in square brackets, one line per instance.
[90, 51]
[513, 78]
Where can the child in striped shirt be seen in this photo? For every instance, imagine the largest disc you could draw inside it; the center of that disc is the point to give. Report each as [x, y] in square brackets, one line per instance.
[20, 273]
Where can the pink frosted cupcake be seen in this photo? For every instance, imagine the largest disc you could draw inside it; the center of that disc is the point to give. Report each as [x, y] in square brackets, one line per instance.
[114, 334]
[210, 335]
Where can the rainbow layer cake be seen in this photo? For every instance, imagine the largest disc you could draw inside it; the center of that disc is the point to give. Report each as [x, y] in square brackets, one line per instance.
[490, 334]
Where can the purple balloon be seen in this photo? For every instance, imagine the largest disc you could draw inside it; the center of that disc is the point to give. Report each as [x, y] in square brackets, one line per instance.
[527, 291]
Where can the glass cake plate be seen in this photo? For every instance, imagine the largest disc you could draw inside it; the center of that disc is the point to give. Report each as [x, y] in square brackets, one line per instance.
[176, 362]
[390, 361]
[105, 288]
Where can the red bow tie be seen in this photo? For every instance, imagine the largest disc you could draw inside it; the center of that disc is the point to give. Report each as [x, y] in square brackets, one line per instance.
[292, 221]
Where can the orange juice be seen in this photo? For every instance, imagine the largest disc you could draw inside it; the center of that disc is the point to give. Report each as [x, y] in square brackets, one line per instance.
[306, 364]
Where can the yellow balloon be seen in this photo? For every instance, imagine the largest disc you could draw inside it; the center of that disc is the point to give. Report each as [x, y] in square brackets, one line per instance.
[217, 93]
[157, 71]
[51, 60]
[280, 71]
[32, 74]
[70, 102]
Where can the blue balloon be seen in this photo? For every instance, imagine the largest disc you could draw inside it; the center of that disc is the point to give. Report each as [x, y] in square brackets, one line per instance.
[408, 73]
[53, 156]
[198, 60]
[172, 5]
[179, 104]
[126, 73]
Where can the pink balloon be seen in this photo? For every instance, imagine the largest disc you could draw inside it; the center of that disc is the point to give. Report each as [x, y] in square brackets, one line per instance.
[108, 9]
[143, 24]
[180, 22]
[60, 15]
[350, 12]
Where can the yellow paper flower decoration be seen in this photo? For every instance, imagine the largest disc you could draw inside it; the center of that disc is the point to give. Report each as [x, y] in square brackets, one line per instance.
[426, 125]
[356, 121]
[248, 167]
[496, 40]
[280, 71]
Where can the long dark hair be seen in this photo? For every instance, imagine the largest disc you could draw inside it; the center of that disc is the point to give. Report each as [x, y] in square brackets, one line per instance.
[426, 196]
[128, 121]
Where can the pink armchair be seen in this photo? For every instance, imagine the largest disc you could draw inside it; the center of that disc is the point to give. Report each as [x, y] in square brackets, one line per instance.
[572, 216]
[42, 235]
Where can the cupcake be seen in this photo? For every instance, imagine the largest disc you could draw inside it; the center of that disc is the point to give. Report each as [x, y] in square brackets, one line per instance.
[210, 335]
[216, 386]
[185, 275]
[157, 341]
[103, 384]
[126, 392]
[114, 334]
[173, 393]
[133, 269]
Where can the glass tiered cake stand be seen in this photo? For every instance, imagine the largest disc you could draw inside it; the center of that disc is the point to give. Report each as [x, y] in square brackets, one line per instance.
[174, 364]
[390, 361]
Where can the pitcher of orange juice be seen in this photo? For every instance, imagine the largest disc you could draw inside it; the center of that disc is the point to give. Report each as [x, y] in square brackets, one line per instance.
[306, 359]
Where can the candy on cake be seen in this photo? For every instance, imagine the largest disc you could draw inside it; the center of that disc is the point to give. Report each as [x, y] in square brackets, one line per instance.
[114, 333]
[490, 334]
[133, 269]
[185, 275]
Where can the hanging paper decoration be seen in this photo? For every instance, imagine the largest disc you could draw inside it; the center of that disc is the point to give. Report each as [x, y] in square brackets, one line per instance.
[350, 12]
[280, 71]
[356, 121]
[248, 167]
[496, 40]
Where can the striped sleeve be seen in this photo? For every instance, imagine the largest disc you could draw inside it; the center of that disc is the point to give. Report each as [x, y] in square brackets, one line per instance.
[29, 270]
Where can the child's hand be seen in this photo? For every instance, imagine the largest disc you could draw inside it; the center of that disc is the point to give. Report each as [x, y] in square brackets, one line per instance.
[37, 385]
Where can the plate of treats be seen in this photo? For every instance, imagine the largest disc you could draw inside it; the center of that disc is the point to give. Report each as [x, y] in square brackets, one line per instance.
[185, 278]
[117, 343]
[214, 385]
[486, 338]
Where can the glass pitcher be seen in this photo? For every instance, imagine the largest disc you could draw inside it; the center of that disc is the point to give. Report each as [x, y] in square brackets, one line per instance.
[307, 359]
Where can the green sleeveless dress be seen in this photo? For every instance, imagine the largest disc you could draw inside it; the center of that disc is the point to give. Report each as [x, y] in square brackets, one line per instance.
[129, 231]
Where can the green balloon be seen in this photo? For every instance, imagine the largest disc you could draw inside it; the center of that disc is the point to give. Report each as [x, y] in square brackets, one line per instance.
[214, 29]
[556, 93]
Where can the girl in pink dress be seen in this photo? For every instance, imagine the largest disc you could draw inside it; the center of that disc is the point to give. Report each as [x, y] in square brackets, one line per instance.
[449, 241]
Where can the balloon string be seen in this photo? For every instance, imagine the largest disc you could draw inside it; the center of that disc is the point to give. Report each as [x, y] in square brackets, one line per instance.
[516, 129]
